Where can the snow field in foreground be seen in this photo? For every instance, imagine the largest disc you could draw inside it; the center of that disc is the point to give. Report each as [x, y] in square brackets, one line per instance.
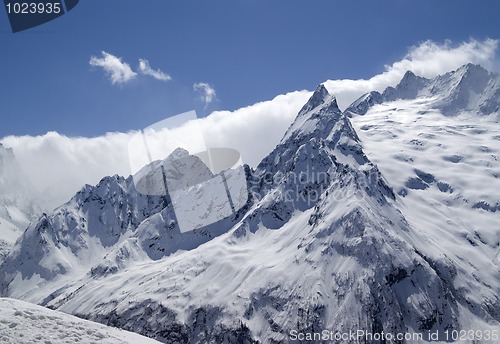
[22, 322]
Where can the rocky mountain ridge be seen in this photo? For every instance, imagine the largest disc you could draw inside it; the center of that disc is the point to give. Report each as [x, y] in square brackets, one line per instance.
[471, 88]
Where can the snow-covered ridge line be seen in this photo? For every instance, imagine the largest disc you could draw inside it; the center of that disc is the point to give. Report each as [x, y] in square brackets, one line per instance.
[470, 88]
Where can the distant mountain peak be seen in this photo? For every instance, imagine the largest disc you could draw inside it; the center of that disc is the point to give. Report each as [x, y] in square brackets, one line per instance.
[474, 68]
[409, 75]
[178, 153]
[476, 75]
[469, 88]
[319, 138]
[319, 97]
[320, 93]
[318, 116]
[364, 103]
[409, 78]
[408, 87]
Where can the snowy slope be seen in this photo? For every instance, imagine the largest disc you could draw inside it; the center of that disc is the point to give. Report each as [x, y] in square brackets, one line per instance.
[78, 234]
[408, 243]
[446, 172]
[25, 323]
[101, 230]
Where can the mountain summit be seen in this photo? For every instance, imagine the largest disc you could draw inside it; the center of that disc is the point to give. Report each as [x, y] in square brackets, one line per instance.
[470, 88]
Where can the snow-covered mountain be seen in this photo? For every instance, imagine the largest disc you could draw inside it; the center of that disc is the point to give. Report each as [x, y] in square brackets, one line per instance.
[471, 88]
[101, 230]
[18, 202]
[327, 241]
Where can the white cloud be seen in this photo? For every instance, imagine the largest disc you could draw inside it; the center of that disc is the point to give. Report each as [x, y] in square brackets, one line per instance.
[61, 165]
[427, 59]
[207, 92]
[58, 165]
[254, 130]
[145, 69]
[119, 72]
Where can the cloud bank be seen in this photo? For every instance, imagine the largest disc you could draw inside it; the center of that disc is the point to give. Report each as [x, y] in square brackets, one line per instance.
[119, 72]
[61, 165]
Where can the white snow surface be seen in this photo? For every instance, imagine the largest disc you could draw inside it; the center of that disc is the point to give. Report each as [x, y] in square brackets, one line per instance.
[25, 323]
[446, 172]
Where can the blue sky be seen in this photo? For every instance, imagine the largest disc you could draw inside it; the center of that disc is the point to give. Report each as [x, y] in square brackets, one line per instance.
[248, 51]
